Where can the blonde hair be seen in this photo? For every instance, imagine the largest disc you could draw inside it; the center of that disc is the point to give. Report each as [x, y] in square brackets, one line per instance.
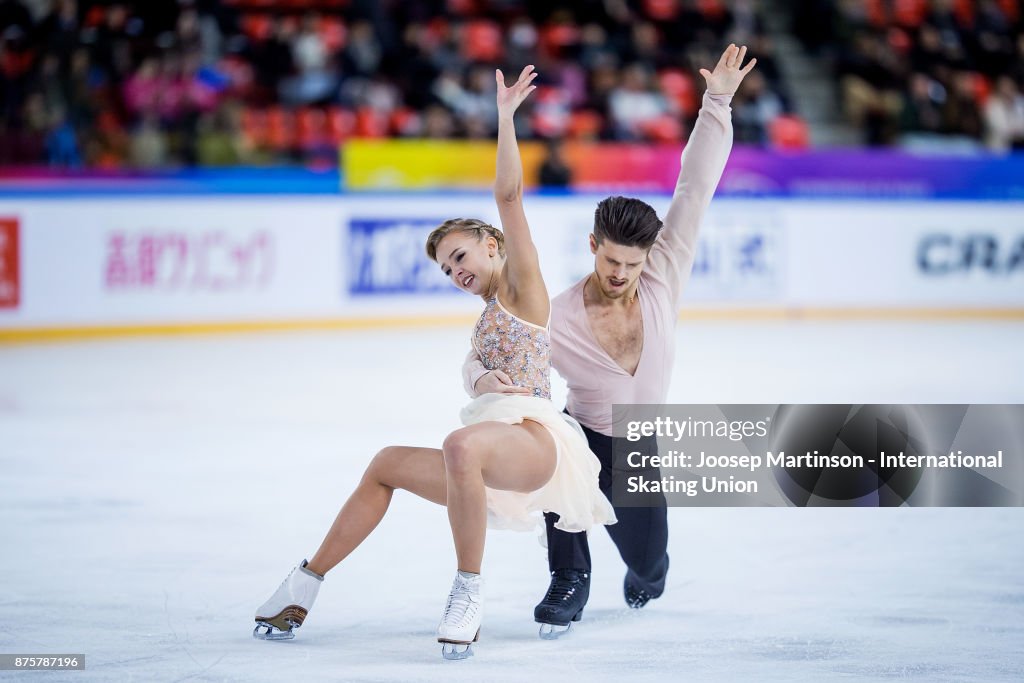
[471, 225]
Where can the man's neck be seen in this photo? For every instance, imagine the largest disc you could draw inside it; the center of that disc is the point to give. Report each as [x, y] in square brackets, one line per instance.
[593, 294]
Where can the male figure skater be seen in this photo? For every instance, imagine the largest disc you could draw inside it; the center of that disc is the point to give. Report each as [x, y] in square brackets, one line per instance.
[612, 339]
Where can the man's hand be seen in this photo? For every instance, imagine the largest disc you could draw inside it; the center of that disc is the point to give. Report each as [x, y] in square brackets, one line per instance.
[497, 382]
[728, 75]
[509, 99]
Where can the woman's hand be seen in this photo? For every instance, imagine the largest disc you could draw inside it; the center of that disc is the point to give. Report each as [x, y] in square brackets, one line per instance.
[510, 98]
[728, 75]
[497, 382]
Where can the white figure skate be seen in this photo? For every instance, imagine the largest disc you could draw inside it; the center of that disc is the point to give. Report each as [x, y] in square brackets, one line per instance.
[287, 608]
[460, 624]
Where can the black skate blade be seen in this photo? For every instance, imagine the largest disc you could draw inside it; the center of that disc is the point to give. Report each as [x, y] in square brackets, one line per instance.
[272, 632]
[553, 631]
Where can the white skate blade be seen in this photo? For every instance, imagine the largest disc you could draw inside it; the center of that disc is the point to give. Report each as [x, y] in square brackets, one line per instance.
[456, 651]
[553, 631]
[272, 632]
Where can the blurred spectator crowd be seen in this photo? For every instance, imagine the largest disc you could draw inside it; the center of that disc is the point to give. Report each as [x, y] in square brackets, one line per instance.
[222, 82]
[924, 70]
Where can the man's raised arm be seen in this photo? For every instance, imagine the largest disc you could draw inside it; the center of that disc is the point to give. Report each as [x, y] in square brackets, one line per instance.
[701, 168]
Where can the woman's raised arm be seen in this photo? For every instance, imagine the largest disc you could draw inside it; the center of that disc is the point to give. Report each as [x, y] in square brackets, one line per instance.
[522, 267]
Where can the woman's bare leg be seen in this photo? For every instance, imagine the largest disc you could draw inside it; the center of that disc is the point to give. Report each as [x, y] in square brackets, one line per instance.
[501, 456]
[419, 470]
[472, 457]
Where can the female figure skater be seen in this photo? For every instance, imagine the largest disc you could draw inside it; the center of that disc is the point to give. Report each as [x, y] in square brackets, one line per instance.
[517, 454]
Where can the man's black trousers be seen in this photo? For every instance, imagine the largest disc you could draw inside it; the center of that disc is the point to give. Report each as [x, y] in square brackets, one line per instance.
[641, 534]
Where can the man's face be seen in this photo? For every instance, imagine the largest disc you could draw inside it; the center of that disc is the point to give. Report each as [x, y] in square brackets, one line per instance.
[618, 267]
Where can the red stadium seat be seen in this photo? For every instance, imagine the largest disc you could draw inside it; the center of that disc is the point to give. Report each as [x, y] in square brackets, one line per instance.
[482, 41]
[333, 32]
[678, 86]
[713, 9]
[95, 16]
[254, 126]
[964, 11]
[291, 22]
[256, 27]
[370, 123]
[404, 121]
[1011, 8]
[664, 128]
[107, 122]
[982, 88]
[311, 128]
[551, 111]
[280, 128]
[16, 63]
[661, 10]
[556, 37]
[909, 13]
[341, 124]
[438, 29]
[461, 8]
[585, 124]
[899, 40]
[877, 13]
[789, 132]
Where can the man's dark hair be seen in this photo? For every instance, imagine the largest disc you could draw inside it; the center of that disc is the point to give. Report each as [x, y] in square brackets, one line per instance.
[625, 221]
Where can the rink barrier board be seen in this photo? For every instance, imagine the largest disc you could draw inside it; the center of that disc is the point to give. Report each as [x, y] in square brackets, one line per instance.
[100, 268]
[61, 334]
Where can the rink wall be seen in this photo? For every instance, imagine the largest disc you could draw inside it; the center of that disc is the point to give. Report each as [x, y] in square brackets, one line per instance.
[80, 265]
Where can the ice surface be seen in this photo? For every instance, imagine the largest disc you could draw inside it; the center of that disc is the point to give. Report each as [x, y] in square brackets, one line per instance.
[153, 492]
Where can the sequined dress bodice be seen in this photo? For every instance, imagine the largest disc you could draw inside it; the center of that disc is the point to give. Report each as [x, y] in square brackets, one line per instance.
[519, 349]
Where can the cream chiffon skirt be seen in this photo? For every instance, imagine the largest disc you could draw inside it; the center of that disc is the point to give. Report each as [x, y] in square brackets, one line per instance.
[572, 491]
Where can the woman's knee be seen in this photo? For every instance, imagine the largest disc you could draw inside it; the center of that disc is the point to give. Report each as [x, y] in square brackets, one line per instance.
[384, 465]
[461, 451]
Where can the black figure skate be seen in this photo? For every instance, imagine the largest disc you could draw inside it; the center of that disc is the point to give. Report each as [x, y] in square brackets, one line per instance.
[564, 602]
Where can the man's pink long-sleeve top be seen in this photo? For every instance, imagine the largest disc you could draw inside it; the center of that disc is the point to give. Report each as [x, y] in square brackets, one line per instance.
[596, 381]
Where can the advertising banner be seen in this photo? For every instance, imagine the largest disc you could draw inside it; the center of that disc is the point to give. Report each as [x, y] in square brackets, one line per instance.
[750, 172]
[429, 164]
[10, 281]
[79, 262]
[386, 256]
[150, 261]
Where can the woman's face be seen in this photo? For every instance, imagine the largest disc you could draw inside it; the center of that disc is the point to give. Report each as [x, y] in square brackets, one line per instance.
[467, 260]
